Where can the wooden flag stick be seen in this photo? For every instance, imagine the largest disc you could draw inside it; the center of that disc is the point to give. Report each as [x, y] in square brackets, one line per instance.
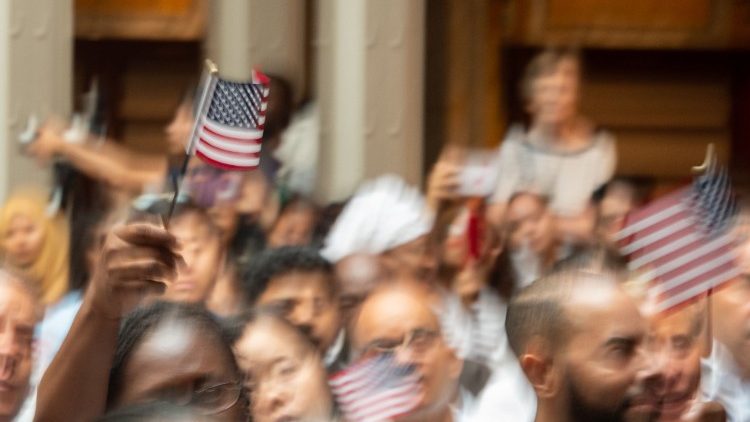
[699, 170]
[209, 81]
[707, 161]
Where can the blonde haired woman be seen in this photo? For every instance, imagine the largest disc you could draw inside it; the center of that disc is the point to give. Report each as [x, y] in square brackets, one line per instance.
[35, 243]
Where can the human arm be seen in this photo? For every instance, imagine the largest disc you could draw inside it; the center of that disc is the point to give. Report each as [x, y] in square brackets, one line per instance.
[106, 162]
[135, 261]
[444, 178]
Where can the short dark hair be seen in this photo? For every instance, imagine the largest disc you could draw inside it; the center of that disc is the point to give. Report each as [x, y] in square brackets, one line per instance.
[538, 310]
[280, 261]
[280, 106]
[639, 186]
[142, 321]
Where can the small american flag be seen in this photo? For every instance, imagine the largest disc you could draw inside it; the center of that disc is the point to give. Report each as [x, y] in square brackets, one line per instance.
[230, 130]
[376, 389]
[681, 242]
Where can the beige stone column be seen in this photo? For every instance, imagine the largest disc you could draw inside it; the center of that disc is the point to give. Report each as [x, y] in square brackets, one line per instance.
[369, 81]
[36, 51]
[268, 34]
[229, 38]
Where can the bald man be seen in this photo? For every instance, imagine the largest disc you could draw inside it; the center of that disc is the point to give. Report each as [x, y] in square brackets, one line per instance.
[399, 318]
[19, 313]
[579, 339]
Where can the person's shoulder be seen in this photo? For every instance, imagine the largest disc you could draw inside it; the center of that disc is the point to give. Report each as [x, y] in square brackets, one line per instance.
[603, 138]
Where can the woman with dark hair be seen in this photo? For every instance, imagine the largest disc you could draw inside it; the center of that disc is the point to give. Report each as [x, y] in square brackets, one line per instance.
[296, 223]
[283, 370]
[175, 353]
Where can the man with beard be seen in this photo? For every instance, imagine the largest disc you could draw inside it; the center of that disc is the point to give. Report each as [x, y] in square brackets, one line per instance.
[579, 339]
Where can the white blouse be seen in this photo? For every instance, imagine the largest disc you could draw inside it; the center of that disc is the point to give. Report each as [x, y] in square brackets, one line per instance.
[720, 382]
[567, 178]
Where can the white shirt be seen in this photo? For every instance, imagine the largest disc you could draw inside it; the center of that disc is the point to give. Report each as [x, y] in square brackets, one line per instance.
[508, 395]
[720, 382]
[333, 352]
[567, 178]
[50, 335]
[477, 333]
[463, 410]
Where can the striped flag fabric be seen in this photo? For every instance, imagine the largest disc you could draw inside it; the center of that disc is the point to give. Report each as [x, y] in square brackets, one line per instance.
[229, 132]
[376, 389]
[680, 242]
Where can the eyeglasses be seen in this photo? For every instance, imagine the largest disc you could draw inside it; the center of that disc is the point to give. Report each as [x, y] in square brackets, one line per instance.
[216, 398]
[417, 341]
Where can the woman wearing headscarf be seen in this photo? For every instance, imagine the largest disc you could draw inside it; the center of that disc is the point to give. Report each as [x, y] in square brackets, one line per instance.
[35, 243]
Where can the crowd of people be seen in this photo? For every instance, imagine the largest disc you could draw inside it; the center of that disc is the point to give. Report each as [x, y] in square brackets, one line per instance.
[511, 306]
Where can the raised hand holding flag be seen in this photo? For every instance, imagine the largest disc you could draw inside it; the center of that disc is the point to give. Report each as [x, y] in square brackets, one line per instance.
[229, 128]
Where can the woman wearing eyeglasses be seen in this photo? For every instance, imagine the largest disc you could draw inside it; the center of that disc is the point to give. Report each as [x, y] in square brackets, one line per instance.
[284, 373]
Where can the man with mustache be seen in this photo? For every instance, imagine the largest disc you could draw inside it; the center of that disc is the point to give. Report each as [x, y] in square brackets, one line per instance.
[579, 339]
[399, 318]
[19, 312]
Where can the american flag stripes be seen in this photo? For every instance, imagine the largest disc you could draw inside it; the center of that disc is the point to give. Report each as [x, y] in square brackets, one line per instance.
[376, 389]
[229, 131]
[680, 242]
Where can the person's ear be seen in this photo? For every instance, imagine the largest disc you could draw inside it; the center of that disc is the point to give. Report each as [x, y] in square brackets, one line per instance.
[539, 366]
